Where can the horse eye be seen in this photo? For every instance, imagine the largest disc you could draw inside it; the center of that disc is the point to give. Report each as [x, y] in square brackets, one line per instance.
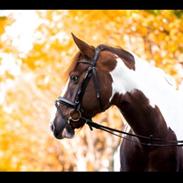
[74, 78]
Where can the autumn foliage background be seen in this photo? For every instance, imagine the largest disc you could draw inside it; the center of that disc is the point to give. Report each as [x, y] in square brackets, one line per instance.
[36, 48]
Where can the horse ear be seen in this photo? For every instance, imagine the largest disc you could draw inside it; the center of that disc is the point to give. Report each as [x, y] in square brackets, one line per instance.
[85, 49]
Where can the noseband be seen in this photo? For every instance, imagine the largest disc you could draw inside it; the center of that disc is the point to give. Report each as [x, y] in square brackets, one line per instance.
[91, 72]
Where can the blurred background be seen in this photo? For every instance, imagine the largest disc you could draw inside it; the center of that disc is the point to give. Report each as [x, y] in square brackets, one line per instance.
[36, 48]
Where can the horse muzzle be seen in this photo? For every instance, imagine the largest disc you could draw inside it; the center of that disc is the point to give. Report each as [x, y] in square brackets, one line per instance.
[62, 131]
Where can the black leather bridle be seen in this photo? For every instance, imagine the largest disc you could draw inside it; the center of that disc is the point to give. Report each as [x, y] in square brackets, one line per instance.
[90, 73]
[76, 105]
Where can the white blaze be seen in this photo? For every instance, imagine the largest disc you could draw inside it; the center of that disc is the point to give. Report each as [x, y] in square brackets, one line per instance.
[156, 86]
[64, 89]
[54, 109]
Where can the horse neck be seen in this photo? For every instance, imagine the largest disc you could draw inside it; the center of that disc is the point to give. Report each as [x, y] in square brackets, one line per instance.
[144, 98]
[142, 117]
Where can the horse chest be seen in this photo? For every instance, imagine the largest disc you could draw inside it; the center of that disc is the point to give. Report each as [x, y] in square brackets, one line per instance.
[133, 157]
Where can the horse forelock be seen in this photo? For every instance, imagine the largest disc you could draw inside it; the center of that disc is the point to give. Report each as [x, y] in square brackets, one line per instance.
[73, 63]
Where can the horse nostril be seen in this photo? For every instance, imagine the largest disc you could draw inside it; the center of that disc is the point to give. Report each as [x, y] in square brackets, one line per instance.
[52, 127]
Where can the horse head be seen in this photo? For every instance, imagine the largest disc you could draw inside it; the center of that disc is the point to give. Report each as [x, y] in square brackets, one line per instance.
[88, 90]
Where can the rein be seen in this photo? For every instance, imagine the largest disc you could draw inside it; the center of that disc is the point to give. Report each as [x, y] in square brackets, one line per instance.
[152, 141]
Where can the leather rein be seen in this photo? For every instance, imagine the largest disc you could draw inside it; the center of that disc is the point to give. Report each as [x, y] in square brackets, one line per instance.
[149, 141]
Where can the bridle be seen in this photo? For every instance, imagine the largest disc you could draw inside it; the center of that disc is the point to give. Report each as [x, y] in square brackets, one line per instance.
[90, 73]
[77, 106]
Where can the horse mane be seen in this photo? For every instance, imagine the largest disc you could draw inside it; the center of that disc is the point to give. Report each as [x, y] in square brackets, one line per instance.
[126, 56]
[118, 51]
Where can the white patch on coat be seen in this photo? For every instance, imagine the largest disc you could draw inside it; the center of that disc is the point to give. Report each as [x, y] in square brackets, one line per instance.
[64, 89]
[54, 109]
[156, 85]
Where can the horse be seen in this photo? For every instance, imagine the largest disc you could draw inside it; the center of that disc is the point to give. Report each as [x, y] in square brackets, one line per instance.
[146, 96]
